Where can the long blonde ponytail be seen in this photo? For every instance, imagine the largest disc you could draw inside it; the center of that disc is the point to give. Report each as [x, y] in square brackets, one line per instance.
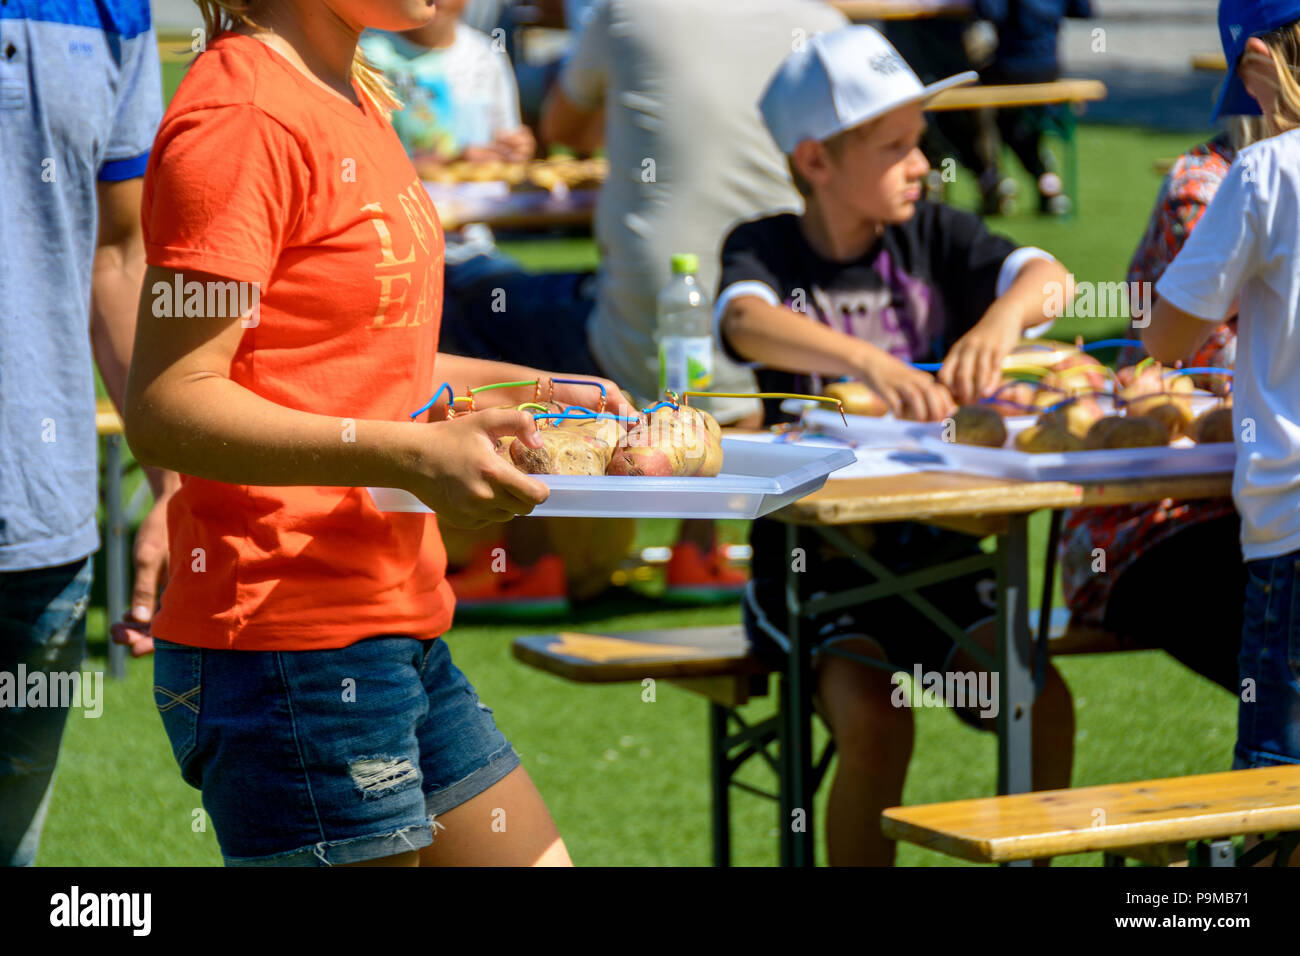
[219, 15]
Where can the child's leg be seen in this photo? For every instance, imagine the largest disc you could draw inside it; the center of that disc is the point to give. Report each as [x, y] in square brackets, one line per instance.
[505, 825]
[1053, 718]
[873, 745]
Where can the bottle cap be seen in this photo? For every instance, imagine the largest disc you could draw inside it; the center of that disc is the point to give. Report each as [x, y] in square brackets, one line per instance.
[686, 263]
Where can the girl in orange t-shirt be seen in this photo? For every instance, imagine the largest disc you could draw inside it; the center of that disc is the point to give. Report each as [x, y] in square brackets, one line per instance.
[288, 325]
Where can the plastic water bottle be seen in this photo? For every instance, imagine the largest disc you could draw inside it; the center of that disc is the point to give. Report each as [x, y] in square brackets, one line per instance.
[685, 330]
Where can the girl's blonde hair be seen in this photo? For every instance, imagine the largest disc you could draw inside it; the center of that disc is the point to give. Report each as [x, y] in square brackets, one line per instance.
[219, 15]
[1284, 44]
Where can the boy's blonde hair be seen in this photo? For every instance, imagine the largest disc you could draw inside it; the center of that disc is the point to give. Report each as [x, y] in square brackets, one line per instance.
[219, 15]
[1284, 44]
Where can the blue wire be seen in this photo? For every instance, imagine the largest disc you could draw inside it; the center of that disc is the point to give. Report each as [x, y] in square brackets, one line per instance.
[927, 366]
[433, 401]
[579, 381]
[1209, 370]
[1112, 344]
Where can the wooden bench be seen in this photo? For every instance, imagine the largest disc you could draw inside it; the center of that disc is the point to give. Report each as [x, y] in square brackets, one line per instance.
[712, 661]
[715, 662]
[1151, 820]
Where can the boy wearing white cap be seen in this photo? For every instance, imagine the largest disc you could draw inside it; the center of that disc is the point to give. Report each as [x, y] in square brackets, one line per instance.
[867, 281]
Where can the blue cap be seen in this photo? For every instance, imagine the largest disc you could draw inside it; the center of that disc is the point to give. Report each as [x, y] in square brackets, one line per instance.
[1239, 20]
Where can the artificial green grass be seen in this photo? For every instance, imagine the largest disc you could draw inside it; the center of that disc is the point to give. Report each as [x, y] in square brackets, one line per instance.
[627, 780]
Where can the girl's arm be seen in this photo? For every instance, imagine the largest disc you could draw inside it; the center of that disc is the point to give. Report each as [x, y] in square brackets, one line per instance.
[779, 338]
[183, 412]
[973, 366]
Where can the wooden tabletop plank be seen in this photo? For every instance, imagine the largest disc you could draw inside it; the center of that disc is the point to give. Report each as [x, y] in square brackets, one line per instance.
[1210, 62]
[107, 421]
[1021, 94]
[925, 495]
[1090, 819]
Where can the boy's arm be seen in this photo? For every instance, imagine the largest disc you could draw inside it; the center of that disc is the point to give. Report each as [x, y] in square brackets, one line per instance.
[572, 114]
[1172, 334]
[973, 366]
[777, 337]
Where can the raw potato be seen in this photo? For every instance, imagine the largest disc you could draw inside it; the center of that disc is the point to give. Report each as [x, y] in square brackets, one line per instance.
[1041, 439]
[1213, 426]
[1129, 433]
[1077, 417]
[1174, 413]
[607, 432]
[857, 399]
[1078, 374]
[979, 425]
[695, 432]
[644, 454]
[1013, 397]
[1096, 438]
[563, 452]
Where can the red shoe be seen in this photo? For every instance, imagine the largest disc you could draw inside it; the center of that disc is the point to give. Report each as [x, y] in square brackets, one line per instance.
[511, 591]
[698, 578]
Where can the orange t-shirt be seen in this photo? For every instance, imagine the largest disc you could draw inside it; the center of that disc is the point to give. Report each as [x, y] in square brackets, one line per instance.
[260, 176]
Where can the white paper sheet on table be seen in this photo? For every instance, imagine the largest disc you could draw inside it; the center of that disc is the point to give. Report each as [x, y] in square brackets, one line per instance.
[870, 463]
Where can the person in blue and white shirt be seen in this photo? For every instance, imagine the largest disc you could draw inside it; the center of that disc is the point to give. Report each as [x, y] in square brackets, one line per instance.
[80, 100]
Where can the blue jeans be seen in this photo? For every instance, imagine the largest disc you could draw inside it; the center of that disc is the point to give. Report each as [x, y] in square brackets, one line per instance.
[315, 758]
[43, 628]
[1268, 717]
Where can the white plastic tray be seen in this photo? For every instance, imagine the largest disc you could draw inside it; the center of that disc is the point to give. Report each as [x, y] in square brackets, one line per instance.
[1184, 457]
[757, 479]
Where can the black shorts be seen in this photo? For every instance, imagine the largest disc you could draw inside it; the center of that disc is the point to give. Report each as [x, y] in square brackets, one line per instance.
[907, 637]
[1184, 596]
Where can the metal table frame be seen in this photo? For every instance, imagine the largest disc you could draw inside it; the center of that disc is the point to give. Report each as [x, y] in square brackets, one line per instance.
[1018, 660]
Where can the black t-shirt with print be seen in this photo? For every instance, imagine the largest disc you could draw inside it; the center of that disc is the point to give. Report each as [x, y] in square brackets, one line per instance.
[922, 285]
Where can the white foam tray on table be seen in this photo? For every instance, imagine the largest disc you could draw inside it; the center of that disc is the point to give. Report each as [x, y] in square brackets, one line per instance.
[1184, 457]
[757, 479]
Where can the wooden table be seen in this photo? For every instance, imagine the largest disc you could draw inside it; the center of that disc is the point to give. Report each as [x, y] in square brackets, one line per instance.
[524, 211]
[1210, 62]
[1019, 95]
[862, 11]
[968, 503]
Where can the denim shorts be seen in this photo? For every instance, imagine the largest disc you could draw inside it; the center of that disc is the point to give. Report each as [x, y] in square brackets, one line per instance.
[1268, 716]
[315, 758]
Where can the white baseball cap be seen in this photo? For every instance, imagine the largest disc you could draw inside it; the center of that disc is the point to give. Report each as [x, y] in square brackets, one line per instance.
[840, 80]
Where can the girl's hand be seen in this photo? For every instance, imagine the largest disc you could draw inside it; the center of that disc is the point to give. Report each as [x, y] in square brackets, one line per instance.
[457, 471]
[973, 367]
[909, 392]
[588, 396]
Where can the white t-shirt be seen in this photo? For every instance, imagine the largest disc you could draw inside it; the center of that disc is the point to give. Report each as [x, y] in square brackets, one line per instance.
[689, 156]
[1245, 248]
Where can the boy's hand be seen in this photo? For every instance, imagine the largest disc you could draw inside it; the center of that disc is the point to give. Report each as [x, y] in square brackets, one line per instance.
[973, 366]
[909, 392]
[457, 472]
